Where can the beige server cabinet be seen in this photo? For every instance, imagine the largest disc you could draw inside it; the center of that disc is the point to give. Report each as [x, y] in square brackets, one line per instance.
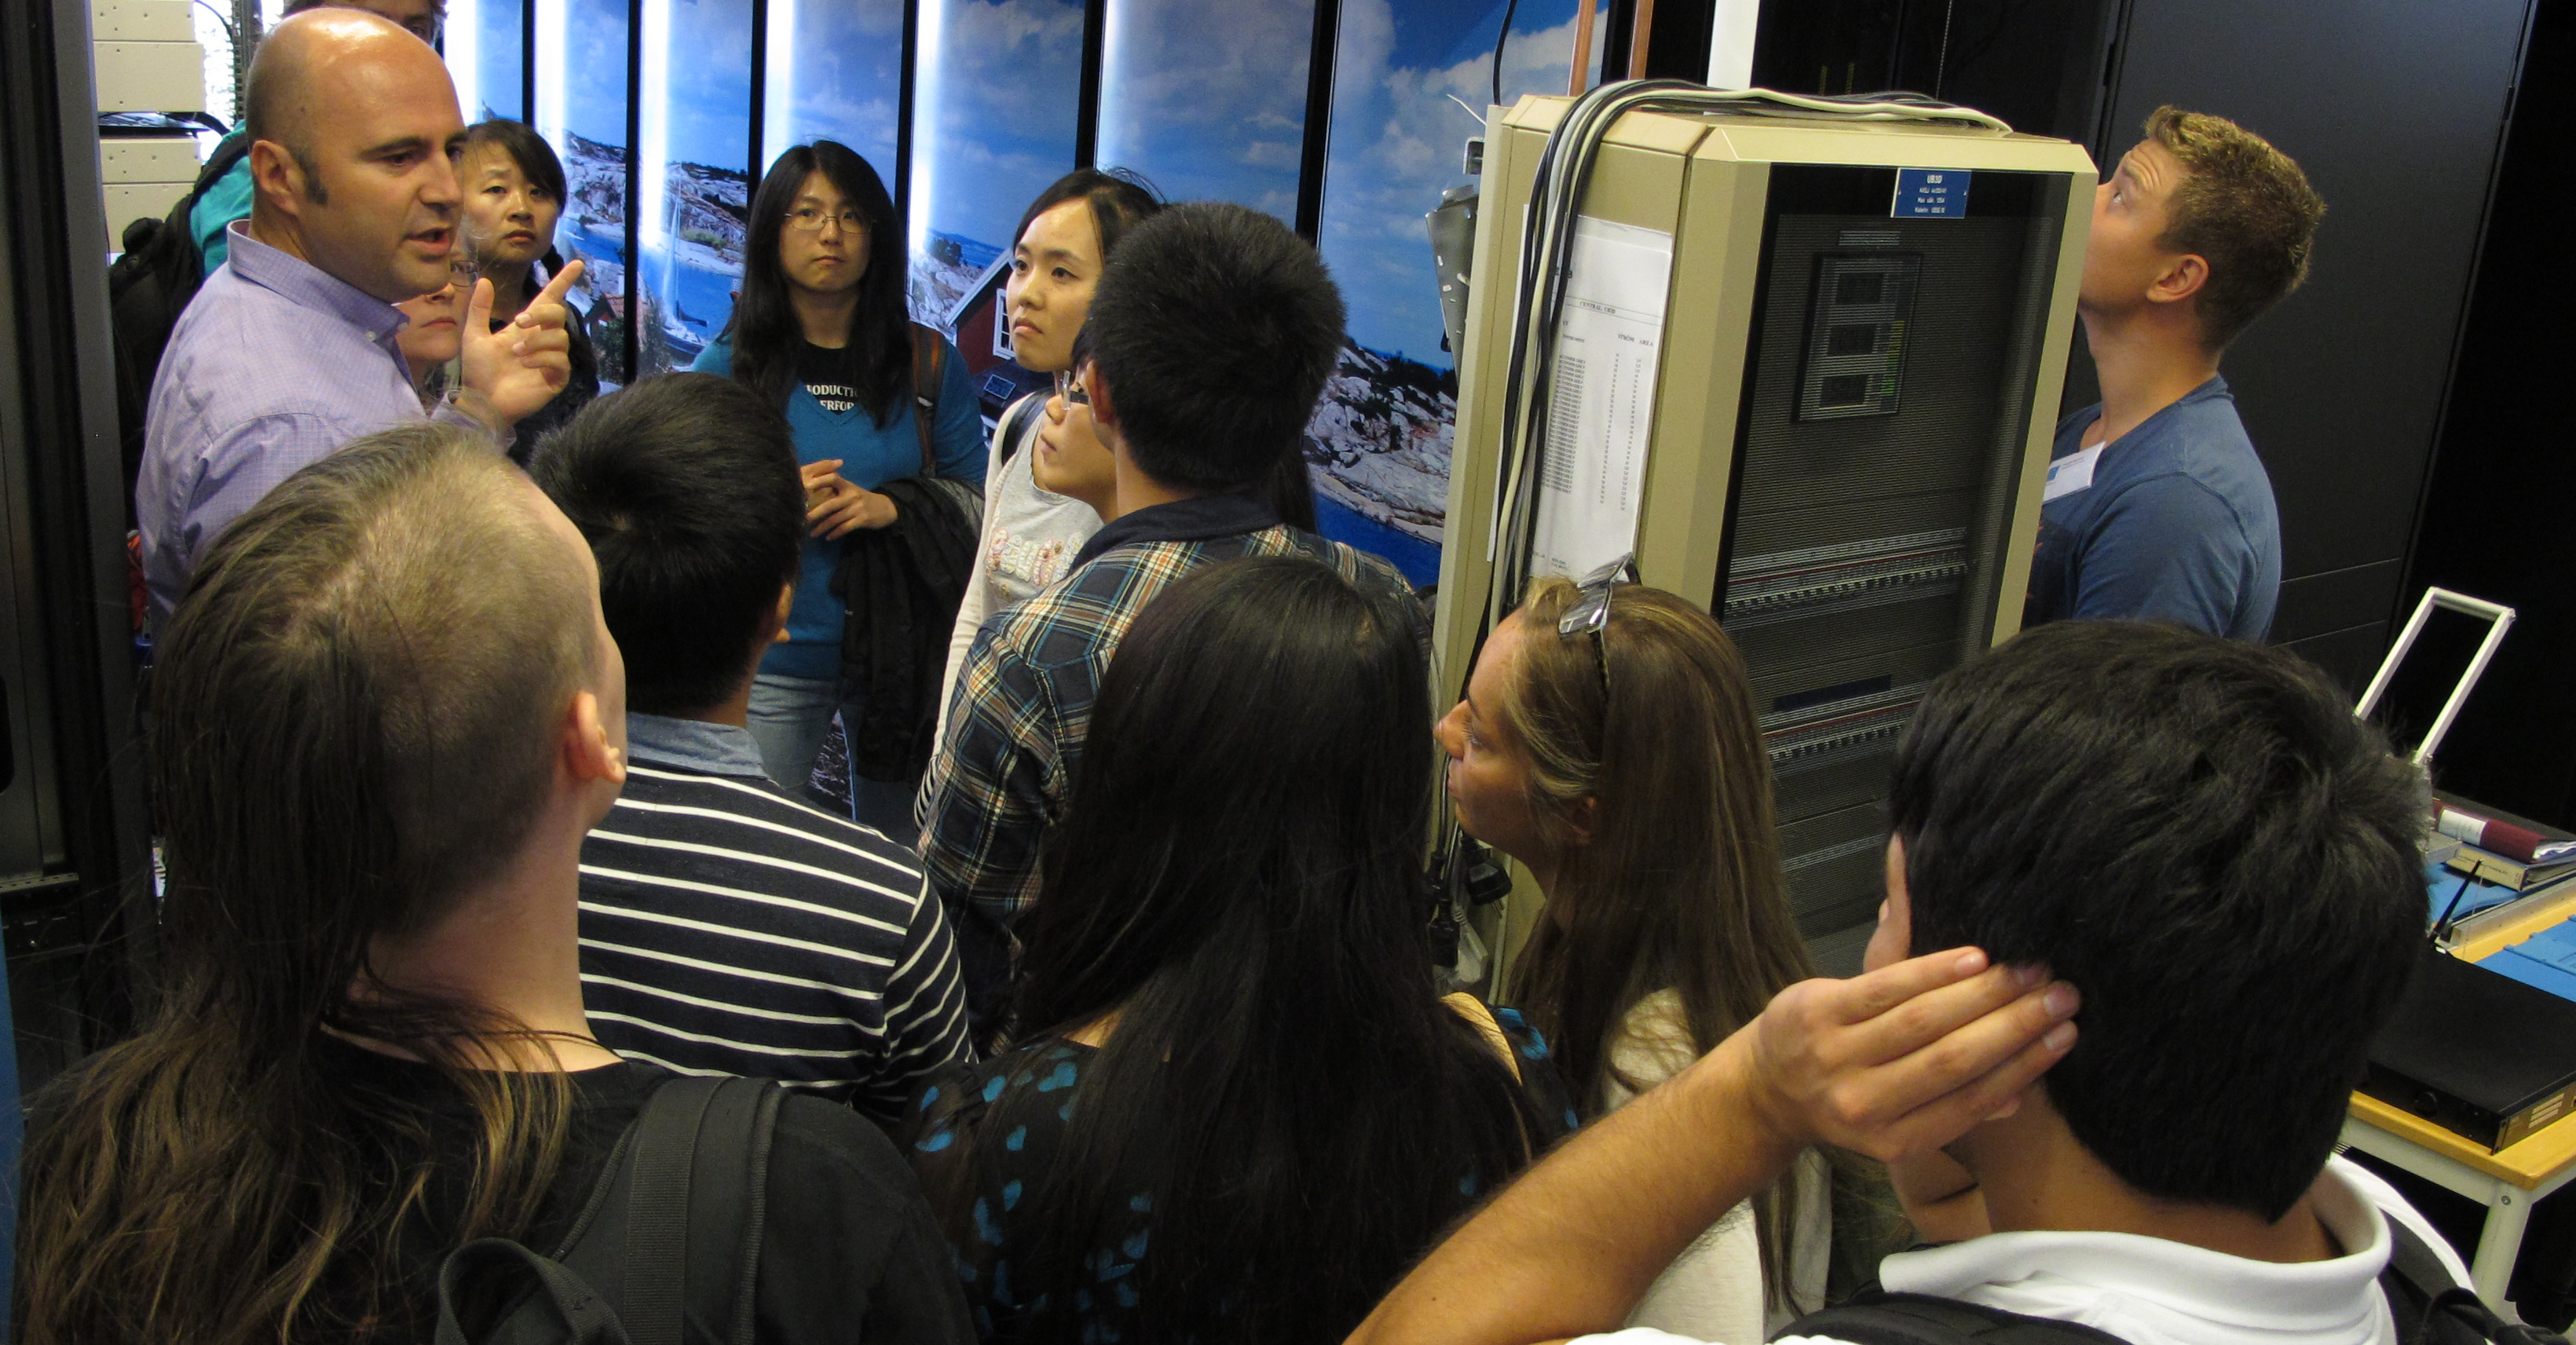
[1850, 423]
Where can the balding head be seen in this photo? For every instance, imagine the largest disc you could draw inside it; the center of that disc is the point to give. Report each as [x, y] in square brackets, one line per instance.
[424, 18]
[342, 100]
[387, 646]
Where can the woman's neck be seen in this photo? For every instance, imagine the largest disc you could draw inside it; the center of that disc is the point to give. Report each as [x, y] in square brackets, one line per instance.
[825, 317]
[510, 289]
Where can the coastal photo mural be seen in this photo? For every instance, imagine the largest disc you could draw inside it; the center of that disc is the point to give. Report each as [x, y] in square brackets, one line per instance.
[1207, 99]
[999, 88]
[1411, 79]
[581, 109]
[694, 188]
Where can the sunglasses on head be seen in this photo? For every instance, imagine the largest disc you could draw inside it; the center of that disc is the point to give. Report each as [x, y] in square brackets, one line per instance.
[1590, 611]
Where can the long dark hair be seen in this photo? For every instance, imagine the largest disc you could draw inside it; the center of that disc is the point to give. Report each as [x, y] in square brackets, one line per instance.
[537, 162]
[764, 330]
[350, 733]
[1243, 891]
[1679, 887]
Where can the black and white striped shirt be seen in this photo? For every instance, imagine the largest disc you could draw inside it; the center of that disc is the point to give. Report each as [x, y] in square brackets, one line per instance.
[727, 928]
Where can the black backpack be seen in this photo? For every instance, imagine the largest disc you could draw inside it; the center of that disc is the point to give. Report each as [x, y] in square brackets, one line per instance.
[667, 1248]
[147, 288]
[2429, 1308]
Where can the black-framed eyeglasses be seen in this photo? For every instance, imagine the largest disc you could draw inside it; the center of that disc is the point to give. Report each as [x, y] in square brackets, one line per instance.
[1590, 611]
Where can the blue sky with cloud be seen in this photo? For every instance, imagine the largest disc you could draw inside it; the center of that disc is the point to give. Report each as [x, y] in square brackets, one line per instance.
[843, 62]
[1208, 99]
[710, 83]
[1397, 138]
[594, 70]
[999, 85]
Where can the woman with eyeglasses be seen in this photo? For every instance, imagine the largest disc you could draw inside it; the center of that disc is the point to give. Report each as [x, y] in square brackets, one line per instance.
[1608, 742]
[821, 332]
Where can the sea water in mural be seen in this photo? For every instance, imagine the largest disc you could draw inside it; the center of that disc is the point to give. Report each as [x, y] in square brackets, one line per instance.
[694, 118]
[1000, 88]
[581, 110]
[1410, 84]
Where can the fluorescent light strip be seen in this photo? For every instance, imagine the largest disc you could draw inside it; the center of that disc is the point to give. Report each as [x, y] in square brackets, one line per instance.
[927, 113]
[778, 101]
[653, 156]
[464, 41]
[553, 60]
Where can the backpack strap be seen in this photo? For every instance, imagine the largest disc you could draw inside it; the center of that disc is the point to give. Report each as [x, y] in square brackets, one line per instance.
[929, 375]
[2430, 1307]
[1876, 1317]
[576, 1311]
[1016, 425]
[670, 1235]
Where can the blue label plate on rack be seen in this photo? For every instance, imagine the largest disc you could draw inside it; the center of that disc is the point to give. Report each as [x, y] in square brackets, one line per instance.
[1931, 193]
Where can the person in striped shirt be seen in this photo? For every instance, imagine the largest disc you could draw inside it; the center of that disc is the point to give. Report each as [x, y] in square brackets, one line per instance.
[726, 926]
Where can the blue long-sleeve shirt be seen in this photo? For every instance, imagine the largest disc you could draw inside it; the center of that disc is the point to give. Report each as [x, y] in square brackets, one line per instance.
[870, 456]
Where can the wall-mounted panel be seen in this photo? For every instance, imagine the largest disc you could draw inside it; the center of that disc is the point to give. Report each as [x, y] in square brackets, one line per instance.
[580, 56]
[1208, 100]
[694, 189]
[835, 72]
[999, 95]
[1410, 84]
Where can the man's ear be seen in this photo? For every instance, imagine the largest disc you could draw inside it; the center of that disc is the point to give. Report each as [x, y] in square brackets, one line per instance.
[1104, 409]
[587, 752]
[776, 626]
[276, 177]
[2182, 277]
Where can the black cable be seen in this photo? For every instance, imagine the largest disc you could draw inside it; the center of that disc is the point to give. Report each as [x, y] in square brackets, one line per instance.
[1499, 39]
[2444, 922]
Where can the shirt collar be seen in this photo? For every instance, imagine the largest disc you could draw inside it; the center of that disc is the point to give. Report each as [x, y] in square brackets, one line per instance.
[1195, 520]
[309, 286]
[693, 745]
[2171, 1283]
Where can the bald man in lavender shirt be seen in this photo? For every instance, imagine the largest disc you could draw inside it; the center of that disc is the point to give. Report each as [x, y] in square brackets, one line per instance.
[288, 351]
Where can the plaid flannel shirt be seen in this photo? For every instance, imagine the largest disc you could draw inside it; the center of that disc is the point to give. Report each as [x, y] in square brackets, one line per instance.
[1023, 703]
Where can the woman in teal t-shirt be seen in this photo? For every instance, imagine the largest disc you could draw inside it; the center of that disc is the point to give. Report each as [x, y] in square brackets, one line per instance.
[821, 331]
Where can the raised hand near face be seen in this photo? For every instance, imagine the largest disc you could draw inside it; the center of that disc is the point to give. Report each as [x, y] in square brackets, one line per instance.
[521, 367]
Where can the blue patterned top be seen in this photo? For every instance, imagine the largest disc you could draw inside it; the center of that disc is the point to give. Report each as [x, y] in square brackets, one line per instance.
[1033, 1090]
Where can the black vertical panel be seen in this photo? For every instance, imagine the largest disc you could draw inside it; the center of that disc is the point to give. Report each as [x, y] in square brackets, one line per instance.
[1086, 116]
[634, 184]
[2503, 449]
[1618, 27]
[1826, 46]
[759, 87]
[1676, 44]
[2395, 110]
[2042, 68]
[528, 62]
[79, 943]
[1318, 139]
[903, 108]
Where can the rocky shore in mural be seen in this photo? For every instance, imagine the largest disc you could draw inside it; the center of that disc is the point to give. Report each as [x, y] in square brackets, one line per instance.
[1379, 442]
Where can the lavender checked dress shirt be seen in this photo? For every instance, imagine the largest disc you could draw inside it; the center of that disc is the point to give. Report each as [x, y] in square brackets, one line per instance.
[274, 364]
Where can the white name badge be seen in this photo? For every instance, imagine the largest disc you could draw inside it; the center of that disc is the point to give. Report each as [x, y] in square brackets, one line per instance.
[2071, 473]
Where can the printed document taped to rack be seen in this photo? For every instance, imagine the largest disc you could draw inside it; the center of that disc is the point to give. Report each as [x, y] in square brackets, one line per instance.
[1601, 409]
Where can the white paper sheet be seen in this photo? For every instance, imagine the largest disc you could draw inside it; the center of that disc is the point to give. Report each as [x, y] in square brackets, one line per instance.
[1609, 347]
